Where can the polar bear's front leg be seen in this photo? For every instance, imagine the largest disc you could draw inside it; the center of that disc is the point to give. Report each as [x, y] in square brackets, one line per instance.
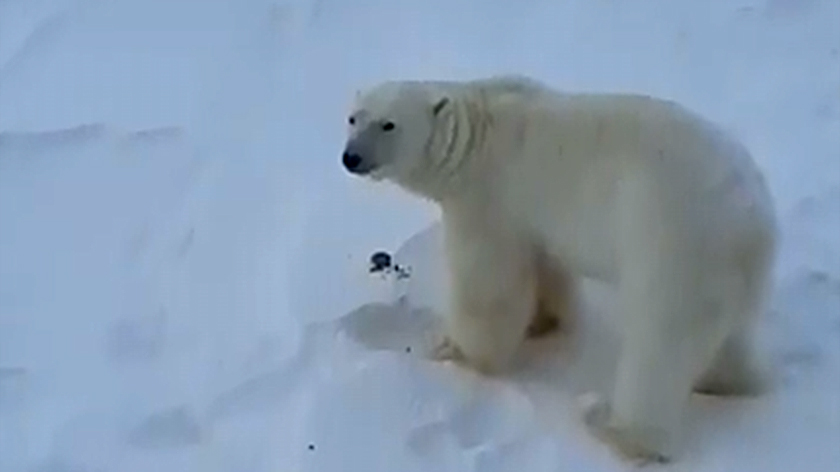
[493, 293]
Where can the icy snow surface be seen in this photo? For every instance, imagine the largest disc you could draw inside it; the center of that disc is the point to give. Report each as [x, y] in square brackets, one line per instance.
[184, 276]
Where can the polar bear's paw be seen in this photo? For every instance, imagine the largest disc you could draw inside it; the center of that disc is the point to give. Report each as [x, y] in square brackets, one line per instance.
[633, 445]
[738, 371]
[447, 350]
[750, 385]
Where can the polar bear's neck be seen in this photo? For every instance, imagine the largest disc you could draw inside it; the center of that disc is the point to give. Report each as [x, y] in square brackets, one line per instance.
[454, 146]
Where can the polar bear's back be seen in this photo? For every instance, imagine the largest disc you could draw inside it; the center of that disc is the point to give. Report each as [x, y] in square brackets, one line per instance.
[510, 84]
[565, 153]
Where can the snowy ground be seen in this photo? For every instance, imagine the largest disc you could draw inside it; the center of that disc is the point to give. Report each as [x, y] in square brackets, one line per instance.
[183, 261]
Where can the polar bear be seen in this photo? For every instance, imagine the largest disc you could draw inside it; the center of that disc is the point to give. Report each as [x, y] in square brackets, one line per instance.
[538, 188]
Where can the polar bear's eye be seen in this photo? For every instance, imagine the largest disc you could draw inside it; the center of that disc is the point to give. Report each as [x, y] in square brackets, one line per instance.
[351, 120]
[387, 126]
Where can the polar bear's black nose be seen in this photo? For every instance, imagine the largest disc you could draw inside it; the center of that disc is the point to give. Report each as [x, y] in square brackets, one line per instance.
[352, 161]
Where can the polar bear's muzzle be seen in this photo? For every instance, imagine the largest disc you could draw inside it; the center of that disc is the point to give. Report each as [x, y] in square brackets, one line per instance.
[355, 163]
[357, 158]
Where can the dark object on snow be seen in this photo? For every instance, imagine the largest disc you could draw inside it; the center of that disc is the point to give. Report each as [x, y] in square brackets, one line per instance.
[403, 272]
[311, 447]
[380, 261]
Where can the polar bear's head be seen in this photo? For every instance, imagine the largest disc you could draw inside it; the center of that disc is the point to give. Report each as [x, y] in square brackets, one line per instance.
[389, 130]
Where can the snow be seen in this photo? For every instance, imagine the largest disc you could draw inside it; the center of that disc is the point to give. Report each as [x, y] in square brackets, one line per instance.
[184, 276]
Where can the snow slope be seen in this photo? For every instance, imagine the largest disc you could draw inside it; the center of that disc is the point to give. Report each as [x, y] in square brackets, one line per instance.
[183, 261]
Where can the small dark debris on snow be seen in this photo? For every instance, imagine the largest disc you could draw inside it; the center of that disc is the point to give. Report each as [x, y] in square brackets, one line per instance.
[403, 272]
[380, 261]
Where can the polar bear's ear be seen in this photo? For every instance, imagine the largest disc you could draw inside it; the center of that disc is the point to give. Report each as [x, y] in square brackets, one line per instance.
[440, 104]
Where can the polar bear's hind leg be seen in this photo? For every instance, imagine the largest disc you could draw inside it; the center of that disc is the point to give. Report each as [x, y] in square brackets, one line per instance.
[741, 367]
[737, 369]
[673, 321]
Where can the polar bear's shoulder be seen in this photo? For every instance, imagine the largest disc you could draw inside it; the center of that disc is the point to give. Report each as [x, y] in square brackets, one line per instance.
[509, 84]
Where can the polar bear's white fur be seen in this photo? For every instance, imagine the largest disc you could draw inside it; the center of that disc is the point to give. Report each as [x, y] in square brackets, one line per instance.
[539, 187]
